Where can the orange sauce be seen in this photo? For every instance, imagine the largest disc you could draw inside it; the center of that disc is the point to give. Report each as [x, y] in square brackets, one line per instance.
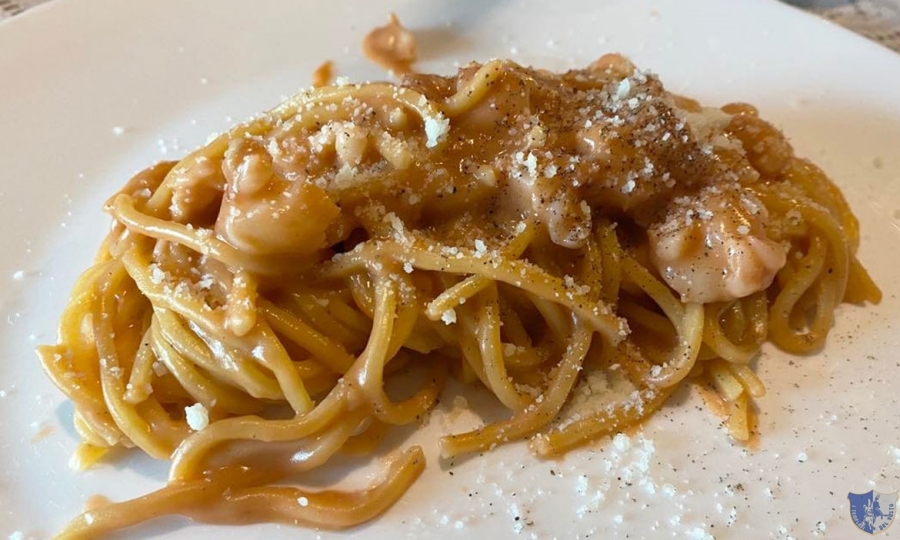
[323, 74]
[43, 433]
[391, 46]
[96, 502]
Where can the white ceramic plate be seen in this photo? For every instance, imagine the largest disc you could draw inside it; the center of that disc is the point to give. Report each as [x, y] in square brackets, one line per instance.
[91, 91]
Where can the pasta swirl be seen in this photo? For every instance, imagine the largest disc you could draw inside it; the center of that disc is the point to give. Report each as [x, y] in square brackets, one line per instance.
[520, 230]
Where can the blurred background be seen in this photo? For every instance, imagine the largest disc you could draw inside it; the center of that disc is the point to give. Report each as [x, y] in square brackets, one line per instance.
[878, 20]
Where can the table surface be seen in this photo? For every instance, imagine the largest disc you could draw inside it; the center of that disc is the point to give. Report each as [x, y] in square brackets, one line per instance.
[878, 20]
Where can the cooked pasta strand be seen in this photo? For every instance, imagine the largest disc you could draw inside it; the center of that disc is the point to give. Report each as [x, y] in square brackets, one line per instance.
[576, 252]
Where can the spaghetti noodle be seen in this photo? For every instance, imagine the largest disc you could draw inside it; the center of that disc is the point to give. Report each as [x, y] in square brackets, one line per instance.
[580, 244]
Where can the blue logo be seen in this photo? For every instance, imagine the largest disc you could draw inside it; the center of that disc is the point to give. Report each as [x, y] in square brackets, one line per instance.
[873, 512]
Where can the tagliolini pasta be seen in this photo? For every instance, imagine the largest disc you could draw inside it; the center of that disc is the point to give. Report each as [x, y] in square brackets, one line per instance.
[579, 244]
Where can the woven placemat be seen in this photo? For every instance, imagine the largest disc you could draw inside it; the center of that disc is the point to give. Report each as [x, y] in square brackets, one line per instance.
[878, 20]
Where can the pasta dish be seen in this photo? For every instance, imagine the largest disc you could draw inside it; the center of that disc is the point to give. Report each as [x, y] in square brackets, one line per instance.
[578, 244]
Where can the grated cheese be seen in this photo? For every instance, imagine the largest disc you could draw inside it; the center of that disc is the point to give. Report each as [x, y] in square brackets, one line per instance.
[436, 128]
[449, 317]
[623, 89]
[159, 368]
[480, 248]
[531, 164]
[157, 276]
[698, 533]
[197, 416]
[206, 282]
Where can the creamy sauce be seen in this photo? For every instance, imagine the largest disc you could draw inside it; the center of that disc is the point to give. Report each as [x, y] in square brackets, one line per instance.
[555, 148]
[96, 502]
[43, 433]
[391, 46]
[323, 74]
